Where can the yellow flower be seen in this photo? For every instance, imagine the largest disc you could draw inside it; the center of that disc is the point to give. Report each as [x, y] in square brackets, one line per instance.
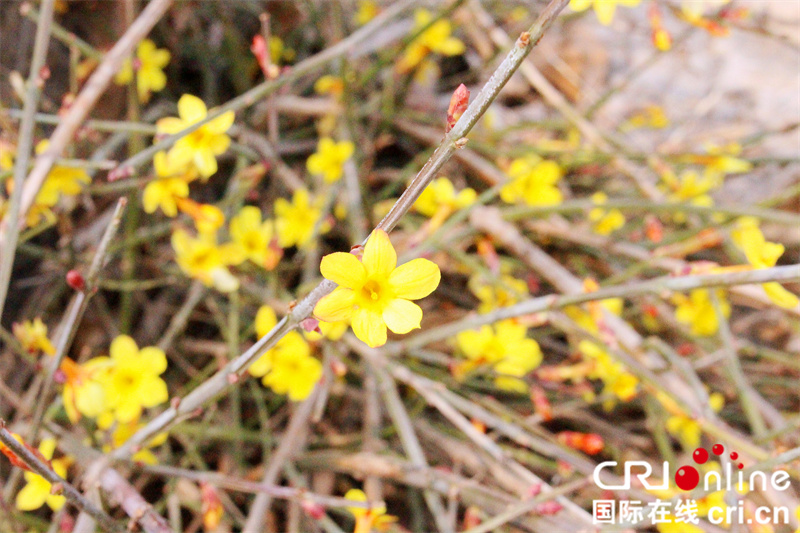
[367, 10]
[170, 187]
[435, 39]
[506, 347]
[328, 161]
[203, 145]
[690, 187]
[605, 222]
[374, 293]
[278, 51]
[652, 116]
[366, 519]
[61, 181]
[84, 392]
[762, 254]
[615, 378]
[37, 490]
[32, 335]
[328, 84]
[507, 291]
[440, 197]
[201, 258]
[604, 9]
[288, 368]
[698, 311]
[133, 381]
[149, 74]
[533, 181]
[254, 237]
[123, 432]
[687, 430]
[295, 221]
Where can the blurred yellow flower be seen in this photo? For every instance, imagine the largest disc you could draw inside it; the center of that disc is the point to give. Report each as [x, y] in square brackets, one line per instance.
[123, 432]
[133, 381]
[506, 347]
[697, 311]
[439, 199]
[84, 390]
[255, 237]
[616, 380]
[367, 10]
[533, 181]
[507, 290]
[761, 253]
[328, 161]
[61, 181]
[605, 221]
[435, 39]
[375, 293]
[288, 367]
[367, 519]
[328, 84]
[604, 9]
[201, 258]
[36, 491]
[32, 335]
[149, 74]
[202, 145]
[295, 220]
[687, 430]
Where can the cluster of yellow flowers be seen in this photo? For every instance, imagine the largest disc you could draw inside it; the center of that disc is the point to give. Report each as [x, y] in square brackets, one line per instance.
[505, 347]
[62, 181]
[617, 382]
[435, 38]
[114, 390]
[287, 368]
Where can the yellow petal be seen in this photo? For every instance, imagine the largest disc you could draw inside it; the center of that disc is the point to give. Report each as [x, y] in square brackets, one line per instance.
[123, 347]
[605, 11]
[152, 391]
[369, 327]
[401, 316]
[205, 162]
[343, 269]
[33, 495]
[265, 320]
[415, 279]
[379, 255]
[780, 296]
[152, 360]
[336, 306]
[191, 109]
[580, 5]
[221, 124]
[170, 125]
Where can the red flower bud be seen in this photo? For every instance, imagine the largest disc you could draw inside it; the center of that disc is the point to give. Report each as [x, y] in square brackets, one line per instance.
[75, 280]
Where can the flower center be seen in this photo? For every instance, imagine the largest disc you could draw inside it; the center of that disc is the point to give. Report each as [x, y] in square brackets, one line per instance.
[372, 290]
[374, 294]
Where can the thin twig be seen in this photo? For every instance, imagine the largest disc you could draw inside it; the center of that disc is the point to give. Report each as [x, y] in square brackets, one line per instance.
[74, 315]
[290, 445]
[43, 469]
[84, 103]
[9, 229]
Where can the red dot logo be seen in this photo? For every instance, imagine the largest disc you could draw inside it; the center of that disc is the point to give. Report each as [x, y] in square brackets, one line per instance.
[718, 449]
[687, 478]
[741, 466]
[734, 456]
[700, 456]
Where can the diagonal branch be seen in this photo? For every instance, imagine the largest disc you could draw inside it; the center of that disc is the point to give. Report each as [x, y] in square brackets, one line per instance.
[35, 464]
[223, 379]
